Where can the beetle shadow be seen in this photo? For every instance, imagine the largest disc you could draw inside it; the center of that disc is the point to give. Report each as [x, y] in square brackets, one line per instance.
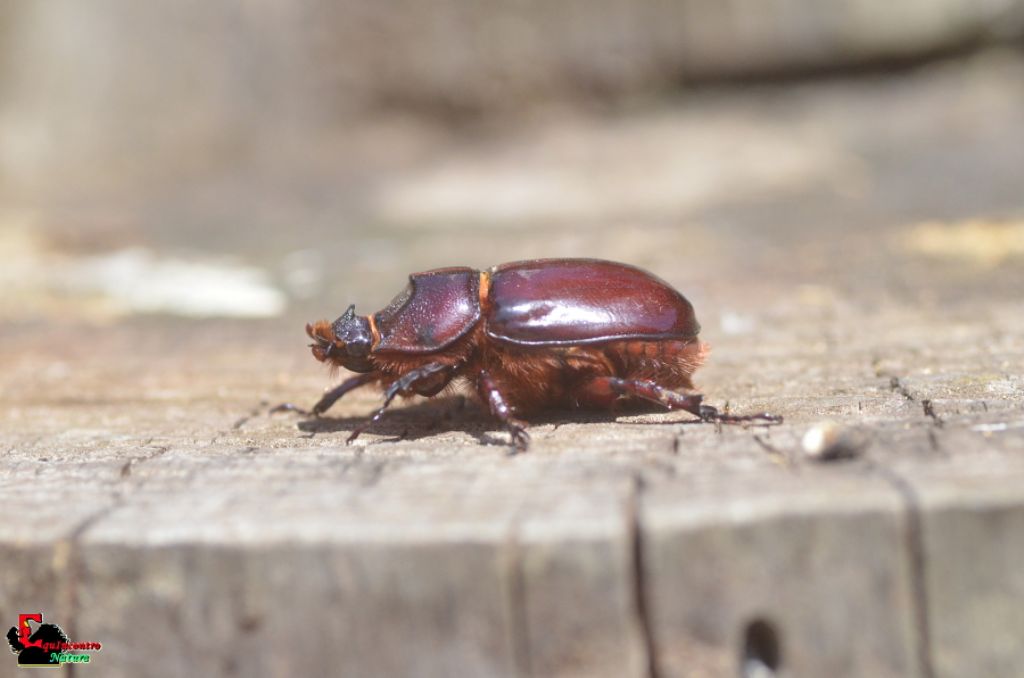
[416, 421]
[614, 416]
[459, 413]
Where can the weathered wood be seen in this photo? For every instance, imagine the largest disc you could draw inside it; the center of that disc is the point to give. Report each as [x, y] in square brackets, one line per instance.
[151, 504]
[971, 512]
[363, 564]
[812, 557]
[222, 531]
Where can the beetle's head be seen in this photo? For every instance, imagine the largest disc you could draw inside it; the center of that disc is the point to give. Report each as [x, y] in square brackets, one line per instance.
[346, 342]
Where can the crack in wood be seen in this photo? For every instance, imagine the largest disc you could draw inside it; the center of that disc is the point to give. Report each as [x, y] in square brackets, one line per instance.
[641, 601]
[929, 411]
[896, 385]
[778, 456]
[242, 421]
[518, 629]
[68, 553]
[253, 413]
[126, 468]
[914, 542]
[927, 408]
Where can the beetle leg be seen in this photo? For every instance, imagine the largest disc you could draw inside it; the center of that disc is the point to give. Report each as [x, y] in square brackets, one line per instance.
[674, 400]
[330, 397]
[500, 408]
[403, 384]
[341, 389]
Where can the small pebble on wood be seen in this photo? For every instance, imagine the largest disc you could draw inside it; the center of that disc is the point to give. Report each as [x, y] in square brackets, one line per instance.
[829, 441]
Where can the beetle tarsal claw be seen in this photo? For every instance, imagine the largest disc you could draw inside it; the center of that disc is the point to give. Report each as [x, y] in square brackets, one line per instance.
[711, 414]
[287, 407]
[520, 437]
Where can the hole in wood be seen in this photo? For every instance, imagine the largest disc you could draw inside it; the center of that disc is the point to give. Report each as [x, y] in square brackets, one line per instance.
[762, 655]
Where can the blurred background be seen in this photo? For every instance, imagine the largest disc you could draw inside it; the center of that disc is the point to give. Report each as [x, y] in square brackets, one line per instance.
[253, 159]
[836, 185]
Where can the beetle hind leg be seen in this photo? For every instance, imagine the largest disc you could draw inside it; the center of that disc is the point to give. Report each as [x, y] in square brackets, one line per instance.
[500, 408]
[605, 390]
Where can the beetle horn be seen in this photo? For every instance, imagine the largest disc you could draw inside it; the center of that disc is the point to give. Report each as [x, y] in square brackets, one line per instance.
[341, 325]
[349, 314]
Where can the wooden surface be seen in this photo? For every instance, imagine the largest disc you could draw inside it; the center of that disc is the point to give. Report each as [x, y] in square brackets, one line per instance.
[873, 280]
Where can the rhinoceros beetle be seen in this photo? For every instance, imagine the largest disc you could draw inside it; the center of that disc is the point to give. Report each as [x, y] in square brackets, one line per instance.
[527, 336]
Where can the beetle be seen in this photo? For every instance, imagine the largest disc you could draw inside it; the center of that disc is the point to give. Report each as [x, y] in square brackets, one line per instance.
[527, 336]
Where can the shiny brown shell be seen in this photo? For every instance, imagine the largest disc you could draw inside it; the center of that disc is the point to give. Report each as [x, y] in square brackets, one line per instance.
[436, 309]
[563, 302]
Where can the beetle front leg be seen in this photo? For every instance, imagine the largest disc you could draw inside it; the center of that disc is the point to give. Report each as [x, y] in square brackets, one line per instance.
[350, 384]
[404, 384]
[674, 400]
[500, 408]
[330, 397]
